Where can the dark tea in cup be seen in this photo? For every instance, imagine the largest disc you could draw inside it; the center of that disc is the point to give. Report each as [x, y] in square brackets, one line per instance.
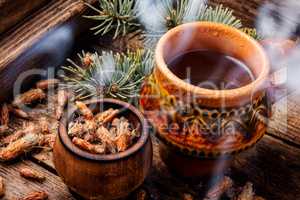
[211, 70]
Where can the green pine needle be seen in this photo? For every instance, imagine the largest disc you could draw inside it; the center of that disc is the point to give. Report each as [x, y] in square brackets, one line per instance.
[109, 75]
[117, 16]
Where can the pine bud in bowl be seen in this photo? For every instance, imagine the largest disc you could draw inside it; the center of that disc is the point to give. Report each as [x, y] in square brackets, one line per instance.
[103, 150]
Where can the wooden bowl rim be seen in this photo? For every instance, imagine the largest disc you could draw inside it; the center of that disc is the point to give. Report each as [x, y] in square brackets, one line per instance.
[66, 140]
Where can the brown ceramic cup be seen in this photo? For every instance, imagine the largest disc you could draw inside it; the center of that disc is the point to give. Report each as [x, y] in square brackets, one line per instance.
[110, 176]
[200, 129]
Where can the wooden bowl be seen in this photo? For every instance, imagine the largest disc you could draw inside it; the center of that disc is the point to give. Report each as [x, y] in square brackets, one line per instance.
[109, 176]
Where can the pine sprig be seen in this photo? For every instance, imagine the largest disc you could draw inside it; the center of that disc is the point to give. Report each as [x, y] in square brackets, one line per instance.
[117, 16]
[221, 15]
[183, 11]
[109, 75]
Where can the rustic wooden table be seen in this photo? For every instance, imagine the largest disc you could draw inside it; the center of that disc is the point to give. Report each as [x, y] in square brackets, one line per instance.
[273, 165]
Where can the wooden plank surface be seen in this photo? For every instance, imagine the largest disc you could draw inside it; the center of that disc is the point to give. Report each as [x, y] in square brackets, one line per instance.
[14, 11]
[17, 187]
[285, 123]
[12, 45]
[35, 45]
[272, 166]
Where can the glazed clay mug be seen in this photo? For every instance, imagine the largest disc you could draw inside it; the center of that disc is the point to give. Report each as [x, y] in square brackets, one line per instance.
[200, 129]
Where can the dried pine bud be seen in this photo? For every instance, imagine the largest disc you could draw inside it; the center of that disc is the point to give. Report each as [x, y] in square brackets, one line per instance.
[123, 127]
[29, 97]
[44, 125]
[62, 100]
[90, 137]
[18, 112]
[90, 126]
[219, 189]
[19, 147]
[122, 142]
[2, 187]
[115, 122]
[76, 129]
[107, 138]
[4, 115]
[37, 195]
[87, 60]
[106, 116]
[85, 111]
[49, 140]
[47, 84]
[84, 145]
[141, 195]
[3, 129]
[247, 192]
[32, 174]
[13, 137]
[187, 196]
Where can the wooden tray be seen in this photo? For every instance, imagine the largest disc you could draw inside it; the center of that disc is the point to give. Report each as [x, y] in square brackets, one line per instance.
[273, 165]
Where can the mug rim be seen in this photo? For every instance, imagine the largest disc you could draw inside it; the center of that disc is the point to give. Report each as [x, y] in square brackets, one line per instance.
[236, 93]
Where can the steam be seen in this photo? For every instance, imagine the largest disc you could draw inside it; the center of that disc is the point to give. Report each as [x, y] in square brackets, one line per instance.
[154, 14]
[279, 21]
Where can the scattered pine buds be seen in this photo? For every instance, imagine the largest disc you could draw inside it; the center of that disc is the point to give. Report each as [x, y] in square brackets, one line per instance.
[32, 174]
[85, 111]
[37, 195]
[2, 187]
[47, 84]
[29, 97]
[4, 115]
[20, 146]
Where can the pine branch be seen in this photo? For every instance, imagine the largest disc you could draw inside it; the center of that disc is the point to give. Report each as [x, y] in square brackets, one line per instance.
[117, 16]
[221, 15]
[182, 11]
[109, 75]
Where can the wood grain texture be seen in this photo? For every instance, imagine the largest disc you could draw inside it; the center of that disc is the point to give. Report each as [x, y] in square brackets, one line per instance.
[39, 42]
[285, 123]
[274, 168]
[14, 11]
[49, 16]
[17, 187]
